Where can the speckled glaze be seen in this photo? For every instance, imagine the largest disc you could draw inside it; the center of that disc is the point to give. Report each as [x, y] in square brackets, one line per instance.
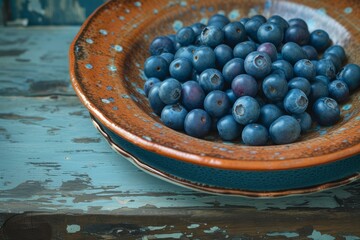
[106, 62]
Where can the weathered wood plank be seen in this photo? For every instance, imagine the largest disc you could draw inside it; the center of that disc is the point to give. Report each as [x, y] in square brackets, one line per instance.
[54, 159]
[34, 61]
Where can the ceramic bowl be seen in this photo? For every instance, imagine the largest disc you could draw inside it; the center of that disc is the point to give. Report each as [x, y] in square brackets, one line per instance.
[106, 62]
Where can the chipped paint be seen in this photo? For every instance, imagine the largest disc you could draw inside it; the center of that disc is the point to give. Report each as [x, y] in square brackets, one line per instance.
[118, 48]
[234, 15]
[351, 237]
[316, 235]
[168, 236]
[89, 66]
[155, 228]
[194, 225]
[348, 10]
[212, 229]
[89, 40]
[112, 68]
[285, 234]
[103, 32]
[177, 25]
[73, 228]
[347, 107]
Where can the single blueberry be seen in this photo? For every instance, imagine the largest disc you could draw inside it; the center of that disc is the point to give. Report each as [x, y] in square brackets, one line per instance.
[161, 44]
[311, 52]
[269, 113]
[275, 87]
[286, 129]
[297, 35]
[338, 51]
[257, 64]
[318, 90]
[155, 102]
[185, 36]
[350, 74]
[335, 60]
[181, 69]
[270, 32]
[218, 18]
[300, 83]
[304, 120]
[212, 36]
[223, 54]
[197, 123]
[326, 68]
[305, 68]
[217, 103]
[320, 40]
[326, 111]
[192, 95]
[283, 66]
[244, 20]
[211, 79]
[149, 84]
[246, 110]
[233, 68]
[170, 91]
[251, 28]
[234, 33]
[339, 91]
[298, 22]
[204, 58]
[241, 50]
[259, 17]
[295, 101]
[244, 85]
[292, 52]
[228, 128]
[270, 49]
[185, 52]
[173, 116]
[156, 66]
[255, 134]
[197, 28]
[280, 21]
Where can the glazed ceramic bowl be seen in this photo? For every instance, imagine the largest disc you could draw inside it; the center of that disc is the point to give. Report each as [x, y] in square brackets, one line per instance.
[106, 62]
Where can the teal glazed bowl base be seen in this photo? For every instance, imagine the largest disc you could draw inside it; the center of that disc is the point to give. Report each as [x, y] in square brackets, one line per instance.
[235, 182]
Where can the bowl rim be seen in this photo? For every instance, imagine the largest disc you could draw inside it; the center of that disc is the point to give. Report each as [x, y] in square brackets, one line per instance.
[209, 161]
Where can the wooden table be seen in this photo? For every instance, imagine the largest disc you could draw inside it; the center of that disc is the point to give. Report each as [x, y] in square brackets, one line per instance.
[59, 179]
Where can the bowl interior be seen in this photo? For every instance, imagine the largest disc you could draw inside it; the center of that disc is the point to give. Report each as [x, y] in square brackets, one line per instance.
[107, 60]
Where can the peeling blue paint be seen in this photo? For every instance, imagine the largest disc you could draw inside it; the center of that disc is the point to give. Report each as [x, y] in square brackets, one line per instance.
[103, 32]
[168, 236]
[212, 229]
[112, 68]
[348, 10]
[285, 234]
[73, 228]
[89, 40]
[194, 225]
[137, 4]
[351, 237]
[316, 235]
[118, 48]
[89, 66]
[177, 25]
[347, 107]
[234, 15]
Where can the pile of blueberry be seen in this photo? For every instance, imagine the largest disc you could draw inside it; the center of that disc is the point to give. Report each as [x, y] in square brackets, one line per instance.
[260, 80]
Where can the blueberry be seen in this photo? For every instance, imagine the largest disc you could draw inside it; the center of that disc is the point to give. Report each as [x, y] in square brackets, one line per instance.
[338, 51]
[311, 52]
[154, 100]
[326, 111]
[156, 66]
[270, 32]
[173, 116]
[218, 18]
[170, 91]
[275, 87]
[295, 101]
[203, 58]
[270, 49]
[305, 68]
[304, 120]
[320, 40]
[197, 123]
[292, 52]
[241, 50]
[234, 33]
[300, 83]
[326, 67]
[257, 64]
[244, 85]
[259, 17]
[350, 74]
[286, 129]
[251, 28]
[339, 91]
[269, 113]
[185, 52]
[217, 103]
[192, 95]
[228, 128]
[246, 110]
[185, 36]
[335, 60]
[231, 96]
[280, 21]
[297, 35]
[318, 90]
[161, 44]
[211, 79]
[181, 69]
[223, 54]
[169, 57]
[285, 67]
[233, 68]
[323, 79]
[244, 20]
[255, 134]
[212, 36]
[197, 28]
[298, 22]
[149, 84]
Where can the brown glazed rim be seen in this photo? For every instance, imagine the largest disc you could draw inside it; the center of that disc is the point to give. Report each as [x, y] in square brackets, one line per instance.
[294, 162]
[218, 190]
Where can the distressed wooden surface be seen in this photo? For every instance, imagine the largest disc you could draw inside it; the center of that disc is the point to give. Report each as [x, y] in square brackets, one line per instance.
[53, 160]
